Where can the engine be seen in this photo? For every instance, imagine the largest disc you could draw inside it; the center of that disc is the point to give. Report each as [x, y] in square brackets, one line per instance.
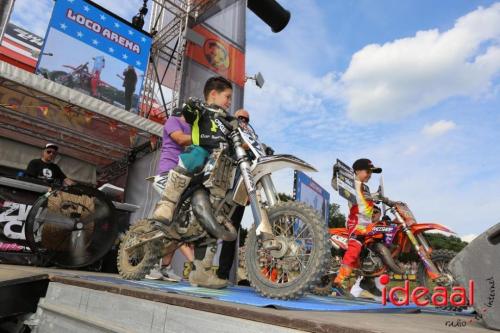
[371, 263]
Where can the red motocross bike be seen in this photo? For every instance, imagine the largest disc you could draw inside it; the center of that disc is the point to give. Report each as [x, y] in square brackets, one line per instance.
[385, 242]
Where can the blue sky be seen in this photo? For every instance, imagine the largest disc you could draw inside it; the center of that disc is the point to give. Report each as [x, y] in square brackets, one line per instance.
[412, 85]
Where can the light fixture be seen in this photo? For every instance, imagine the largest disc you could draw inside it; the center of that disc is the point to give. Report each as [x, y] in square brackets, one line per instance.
[258, 78]
[138, 19]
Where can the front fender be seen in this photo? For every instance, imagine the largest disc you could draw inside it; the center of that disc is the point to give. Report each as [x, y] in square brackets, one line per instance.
[418, 228]
[267, 165]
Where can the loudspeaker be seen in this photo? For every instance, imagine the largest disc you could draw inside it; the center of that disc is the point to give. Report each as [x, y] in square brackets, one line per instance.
[271, 13]
[480, 261]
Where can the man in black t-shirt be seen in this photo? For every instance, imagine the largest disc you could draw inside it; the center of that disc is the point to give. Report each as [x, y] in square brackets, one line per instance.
[44, 168]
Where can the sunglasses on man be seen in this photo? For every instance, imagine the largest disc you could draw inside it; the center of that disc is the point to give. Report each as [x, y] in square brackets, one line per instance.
[244, 119]
[51, 152]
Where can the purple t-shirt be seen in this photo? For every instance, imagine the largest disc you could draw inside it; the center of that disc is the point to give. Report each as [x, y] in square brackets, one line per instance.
[170, 150]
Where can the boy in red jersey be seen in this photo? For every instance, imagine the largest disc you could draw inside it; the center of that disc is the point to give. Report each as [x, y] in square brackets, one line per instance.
[360, 215]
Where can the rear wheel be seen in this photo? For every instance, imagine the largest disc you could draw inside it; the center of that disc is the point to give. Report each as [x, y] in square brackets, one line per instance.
[288, 272]
[71, 227]
[134, 265]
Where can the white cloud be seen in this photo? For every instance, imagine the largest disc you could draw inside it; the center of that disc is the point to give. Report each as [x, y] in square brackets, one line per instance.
[468, 238]
[438, 128]
[33, 16]
[390, 81]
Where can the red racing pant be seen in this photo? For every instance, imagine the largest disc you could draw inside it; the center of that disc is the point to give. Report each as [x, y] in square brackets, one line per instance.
[355, 243]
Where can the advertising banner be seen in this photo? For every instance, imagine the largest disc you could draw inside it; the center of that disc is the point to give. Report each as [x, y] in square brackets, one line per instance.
[220, 51]
[20, 47]
[91, 50]
[310, 192]
[219, 56]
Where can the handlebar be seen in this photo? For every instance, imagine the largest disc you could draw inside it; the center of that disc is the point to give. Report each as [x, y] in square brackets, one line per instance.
[386, 201]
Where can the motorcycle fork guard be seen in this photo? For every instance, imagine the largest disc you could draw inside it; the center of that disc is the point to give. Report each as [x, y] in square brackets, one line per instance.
[430, 268]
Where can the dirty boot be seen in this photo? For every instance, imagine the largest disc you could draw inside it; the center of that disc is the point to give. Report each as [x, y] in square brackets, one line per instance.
[177, 182]
[340, 284]
[202, 274]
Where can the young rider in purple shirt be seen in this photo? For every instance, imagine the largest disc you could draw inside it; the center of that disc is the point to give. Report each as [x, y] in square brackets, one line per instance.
[176, 136]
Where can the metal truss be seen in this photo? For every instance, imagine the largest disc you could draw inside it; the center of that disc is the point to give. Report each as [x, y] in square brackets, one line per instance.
[169, 45]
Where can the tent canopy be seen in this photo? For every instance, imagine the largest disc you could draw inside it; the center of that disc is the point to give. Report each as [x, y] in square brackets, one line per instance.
[34, 111]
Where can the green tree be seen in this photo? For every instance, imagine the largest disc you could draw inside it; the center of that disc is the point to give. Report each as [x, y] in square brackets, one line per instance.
[437, 242]
[284, 197]
[440, 241]
[336, 219]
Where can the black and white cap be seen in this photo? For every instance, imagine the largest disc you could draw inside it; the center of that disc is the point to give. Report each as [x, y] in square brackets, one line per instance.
[51, 145]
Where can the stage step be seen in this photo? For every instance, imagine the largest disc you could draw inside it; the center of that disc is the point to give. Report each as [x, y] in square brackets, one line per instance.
[68, 308]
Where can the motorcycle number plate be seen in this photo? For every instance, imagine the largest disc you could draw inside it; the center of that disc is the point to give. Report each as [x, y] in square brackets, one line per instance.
[383, 229]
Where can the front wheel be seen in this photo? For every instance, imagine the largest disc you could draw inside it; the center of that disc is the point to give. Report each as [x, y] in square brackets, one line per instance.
[299, 263]
[441, 258]
[136, 264]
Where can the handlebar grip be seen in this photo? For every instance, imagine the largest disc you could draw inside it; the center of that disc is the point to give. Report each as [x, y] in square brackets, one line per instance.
[388, 202]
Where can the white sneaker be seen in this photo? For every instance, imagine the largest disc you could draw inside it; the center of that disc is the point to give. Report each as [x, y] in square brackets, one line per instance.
[169, 274]
[163, 273]
[154, 273]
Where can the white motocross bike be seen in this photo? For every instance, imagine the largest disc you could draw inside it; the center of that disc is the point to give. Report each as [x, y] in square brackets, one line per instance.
[286, 248]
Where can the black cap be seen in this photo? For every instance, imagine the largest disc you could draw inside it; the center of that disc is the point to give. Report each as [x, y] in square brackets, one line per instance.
[365, 164]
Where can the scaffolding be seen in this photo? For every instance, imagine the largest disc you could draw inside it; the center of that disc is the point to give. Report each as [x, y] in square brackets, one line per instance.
[169, 26]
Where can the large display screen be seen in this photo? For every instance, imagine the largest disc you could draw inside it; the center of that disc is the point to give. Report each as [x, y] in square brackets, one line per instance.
[91, 50]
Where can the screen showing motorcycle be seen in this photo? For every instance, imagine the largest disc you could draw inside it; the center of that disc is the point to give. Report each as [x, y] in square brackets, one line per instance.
[90, 49]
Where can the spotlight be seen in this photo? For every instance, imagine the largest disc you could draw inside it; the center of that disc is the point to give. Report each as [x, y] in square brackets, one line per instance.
[138, 20]
[271, 12]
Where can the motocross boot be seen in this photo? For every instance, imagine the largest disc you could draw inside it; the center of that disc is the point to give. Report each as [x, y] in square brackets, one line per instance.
[340, 284]
[202, 274]
[177, 182]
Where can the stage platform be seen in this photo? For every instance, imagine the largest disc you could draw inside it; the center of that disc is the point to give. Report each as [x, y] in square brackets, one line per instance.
[92, 302]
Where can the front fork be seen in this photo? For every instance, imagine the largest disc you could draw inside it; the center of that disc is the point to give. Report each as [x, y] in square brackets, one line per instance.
[259, 214]
[422, 248]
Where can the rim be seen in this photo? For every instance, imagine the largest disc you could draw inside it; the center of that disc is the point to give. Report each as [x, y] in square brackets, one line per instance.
[284, 266]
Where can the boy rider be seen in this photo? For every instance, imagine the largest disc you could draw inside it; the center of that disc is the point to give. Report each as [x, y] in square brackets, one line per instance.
[360, 215]
[206, 136]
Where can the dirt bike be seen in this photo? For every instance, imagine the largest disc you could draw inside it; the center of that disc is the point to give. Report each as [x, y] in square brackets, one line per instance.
[287, 238]
[385, 241]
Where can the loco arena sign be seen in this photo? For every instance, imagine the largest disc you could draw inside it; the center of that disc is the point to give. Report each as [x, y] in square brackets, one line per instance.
[105, 32]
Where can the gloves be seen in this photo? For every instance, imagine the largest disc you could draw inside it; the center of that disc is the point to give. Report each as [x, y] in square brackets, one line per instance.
[193, 103]
[269, 151]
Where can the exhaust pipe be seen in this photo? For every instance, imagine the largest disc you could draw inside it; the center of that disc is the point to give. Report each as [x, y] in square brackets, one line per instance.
[203, 211]
[386, 256]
